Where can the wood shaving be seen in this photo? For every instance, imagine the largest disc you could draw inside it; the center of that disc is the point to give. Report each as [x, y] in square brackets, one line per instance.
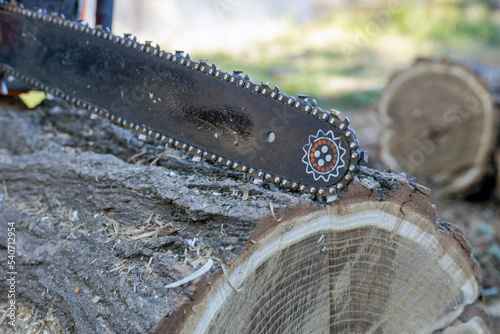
[271, 207]
[200, 272]
[135, 156]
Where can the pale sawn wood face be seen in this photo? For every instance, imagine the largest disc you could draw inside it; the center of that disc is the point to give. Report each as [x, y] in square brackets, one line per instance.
[373, 267]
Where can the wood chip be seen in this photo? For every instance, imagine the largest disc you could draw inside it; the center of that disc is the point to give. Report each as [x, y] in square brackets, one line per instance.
[245, 194]
[77, 290]
[4, 316]
[209, 252]
[149, 219]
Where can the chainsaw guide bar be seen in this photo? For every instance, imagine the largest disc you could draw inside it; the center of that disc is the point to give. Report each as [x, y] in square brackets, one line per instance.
[193, 106]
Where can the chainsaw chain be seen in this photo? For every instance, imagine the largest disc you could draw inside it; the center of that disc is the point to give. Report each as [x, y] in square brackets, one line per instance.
[301, 103]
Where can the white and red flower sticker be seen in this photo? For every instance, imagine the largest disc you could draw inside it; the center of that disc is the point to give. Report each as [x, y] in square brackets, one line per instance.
[323, 156]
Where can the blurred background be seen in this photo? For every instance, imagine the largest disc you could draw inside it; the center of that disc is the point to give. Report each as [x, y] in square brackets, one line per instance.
[340, 52]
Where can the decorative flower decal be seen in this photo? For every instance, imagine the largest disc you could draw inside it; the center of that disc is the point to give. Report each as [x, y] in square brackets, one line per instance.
[323, 156]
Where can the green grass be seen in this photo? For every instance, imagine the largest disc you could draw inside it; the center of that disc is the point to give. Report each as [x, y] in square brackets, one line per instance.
[300, 64]
[357, 100]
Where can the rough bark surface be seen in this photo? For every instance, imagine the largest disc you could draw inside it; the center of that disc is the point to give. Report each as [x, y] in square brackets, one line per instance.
[100, 238]
[441, 123]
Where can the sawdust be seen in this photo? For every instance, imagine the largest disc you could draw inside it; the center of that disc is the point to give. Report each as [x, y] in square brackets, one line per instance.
[31, 321]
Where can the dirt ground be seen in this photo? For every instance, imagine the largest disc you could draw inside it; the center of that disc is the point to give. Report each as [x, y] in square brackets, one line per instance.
[478, 216]
[480, 220]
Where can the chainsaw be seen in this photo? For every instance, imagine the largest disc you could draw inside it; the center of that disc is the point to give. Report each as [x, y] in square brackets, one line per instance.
[222, 117]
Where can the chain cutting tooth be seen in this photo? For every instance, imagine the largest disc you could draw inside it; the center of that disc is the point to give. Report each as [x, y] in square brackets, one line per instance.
[206, 68]
[302, 103]
[268, 91]
[148, 46]
[363, 157]
[178, 54]
[335, 113]
[303, 98]
[237, 78]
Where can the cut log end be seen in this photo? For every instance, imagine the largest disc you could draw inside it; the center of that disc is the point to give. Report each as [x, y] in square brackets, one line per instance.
[356, 266]
[441, 125]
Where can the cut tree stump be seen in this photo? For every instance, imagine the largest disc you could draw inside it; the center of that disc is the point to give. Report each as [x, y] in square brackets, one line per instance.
[441, 123]
[103, 242]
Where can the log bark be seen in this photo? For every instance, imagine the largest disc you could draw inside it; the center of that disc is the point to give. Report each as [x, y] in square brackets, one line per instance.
[441, 123]
[101, 241]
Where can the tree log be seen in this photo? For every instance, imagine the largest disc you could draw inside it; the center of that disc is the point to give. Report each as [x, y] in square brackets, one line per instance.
[441, 123]
[103, 242]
